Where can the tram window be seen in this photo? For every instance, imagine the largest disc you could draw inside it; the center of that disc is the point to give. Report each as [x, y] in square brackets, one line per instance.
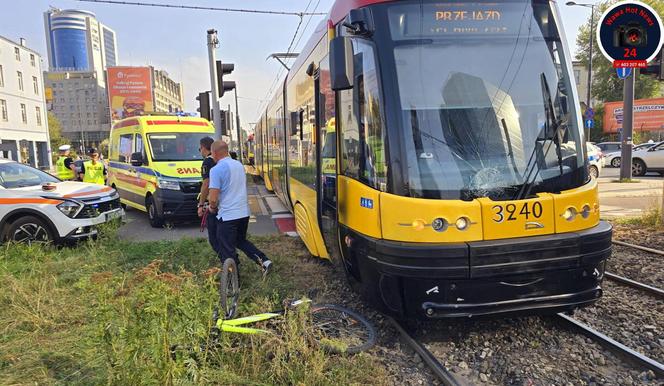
[362, 142]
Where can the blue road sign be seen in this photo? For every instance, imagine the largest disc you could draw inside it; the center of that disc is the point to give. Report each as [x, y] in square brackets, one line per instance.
[590, 113]
[589, 123]
[623, 73]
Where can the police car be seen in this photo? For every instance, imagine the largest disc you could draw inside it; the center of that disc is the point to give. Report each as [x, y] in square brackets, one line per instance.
[594, 159]
[37, 207]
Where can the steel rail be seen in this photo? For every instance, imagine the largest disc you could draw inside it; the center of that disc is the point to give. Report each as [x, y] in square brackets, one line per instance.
[651, 250]
[613, 345]
[434, 364]
[635, 284]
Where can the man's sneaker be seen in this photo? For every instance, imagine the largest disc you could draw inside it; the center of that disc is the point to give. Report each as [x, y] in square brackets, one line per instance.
[267, 267]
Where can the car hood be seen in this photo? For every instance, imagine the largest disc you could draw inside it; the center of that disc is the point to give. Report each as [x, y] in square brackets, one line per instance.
[70, 189]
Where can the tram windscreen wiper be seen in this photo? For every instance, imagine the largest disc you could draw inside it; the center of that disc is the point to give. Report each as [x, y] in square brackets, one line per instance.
[552, 132]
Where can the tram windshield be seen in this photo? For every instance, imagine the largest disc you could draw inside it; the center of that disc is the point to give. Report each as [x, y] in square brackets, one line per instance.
[485, 96]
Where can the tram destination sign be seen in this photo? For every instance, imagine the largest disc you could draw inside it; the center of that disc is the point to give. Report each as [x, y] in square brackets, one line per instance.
[445, 19]
[630, 34]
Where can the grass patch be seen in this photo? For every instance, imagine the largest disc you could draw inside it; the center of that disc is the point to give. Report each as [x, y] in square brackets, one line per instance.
[651, 219]
[626, 181]
[107, 312]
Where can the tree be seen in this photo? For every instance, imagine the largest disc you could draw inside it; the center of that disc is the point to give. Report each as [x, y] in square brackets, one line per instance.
[606, 86]
[55, 134]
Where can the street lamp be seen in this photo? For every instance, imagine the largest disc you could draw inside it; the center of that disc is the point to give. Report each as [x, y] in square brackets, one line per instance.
[590, 61]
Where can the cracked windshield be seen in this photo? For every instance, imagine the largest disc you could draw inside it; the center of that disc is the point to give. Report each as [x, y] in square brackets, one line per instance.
[486, 99]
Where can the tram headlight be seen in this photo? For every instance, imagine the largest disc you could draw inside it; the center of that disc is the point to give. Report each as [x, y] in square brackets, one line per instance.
[439, 224]
[462, 223]
[569, 214]
[585, 211]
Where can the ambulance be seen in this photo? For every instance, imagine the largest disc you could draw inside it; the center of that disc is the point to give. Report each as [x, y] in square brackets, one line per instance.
[155, 165]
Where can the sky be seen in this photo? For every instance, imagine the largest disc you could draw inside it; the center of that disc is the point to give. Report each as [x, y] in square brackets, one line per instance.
[175, 40]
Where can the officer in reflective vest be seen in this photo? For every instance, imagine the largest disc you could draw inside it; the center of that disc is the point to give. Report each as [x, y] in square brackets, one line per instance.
[94, 171]
[64, 166]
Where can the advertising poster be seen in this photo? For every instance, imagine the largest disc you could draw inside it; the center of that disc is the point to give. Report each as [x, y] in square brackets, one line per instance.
[648, 115]
[129, 92]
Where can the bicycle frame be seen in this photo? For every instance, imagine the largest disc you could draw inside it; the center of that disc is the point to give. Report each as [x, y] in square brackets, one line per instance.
[235, 325]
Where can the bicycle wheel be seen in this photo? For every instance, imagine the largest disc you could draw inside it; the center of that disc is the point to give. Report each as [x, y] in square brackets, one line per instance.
[341, 331]
[229, 289]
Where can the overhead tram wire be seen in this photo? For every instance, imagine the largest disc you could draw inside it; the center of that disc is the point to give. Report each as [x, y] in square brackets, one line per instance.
[203, 8]
[288, 51]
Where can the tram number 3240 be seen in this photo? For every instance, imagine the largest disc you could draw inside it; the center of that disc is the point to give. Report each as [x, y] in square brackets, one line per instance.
[510, 212]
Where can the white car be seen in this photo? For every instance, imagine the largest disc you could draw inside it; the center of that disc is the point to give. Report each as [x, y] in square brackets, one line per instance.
[594, 159]
[613, 158]
[648, 160]
[37, 207]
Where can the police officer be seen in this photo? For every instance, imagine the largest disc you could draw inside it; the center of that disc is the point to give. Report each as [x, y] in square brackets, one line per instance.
[94, 171]
[208, 164]
[64, 166]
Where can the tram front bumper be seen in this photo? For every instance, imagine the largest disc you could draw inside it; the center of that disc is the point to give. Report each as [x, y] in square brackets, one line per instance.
[541, 274]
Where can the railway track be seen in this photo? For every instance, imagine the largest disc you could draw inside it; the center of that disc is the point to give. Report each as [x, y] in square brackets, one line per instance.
[632, 356]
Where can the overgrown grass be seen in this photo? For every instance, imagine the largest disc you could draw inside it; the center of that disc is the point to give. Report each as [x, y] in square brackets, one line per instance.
[651, 219]
[107, 312]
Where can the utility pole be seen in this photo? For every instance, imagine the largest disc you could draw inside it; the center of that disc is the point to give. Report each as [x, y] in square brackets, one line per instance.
[626, 140]
[212, 43]
[237, 126]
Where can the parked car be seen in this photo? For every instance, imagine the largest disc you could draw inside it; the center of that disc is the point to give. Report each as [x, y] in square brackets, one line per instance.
[613, 158]
[648, 160]
[37, 207]
[609, 147]
[594, 159]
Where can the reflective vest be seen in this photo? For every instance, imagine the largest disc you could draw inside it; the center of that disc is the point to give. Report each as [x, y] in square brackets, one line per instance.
[94, 173]
[64, 173]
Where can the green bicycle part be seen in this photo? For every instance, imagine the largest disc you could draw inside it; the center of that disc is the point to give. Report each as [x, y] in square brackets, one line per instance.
[242, 330]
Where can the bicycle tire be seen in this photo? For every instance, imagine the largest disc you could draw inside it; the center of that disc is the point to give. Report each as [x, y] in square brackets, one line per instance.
[333, 325]
[229, 289]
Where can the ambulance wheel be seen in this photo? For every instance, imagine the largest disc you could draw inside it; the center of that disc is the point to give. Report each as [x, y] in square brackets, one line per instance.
[156, 221]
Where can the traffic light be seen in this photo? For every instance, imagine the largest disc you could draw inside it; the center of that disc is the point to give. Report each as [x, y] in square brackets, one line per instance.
[656, 68]
[224, 69]
[224, 122]
[203, 99]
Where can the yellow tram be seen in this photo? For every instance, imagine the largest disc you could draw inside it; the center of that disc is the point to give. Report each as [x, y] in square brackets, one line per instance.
[436, 150]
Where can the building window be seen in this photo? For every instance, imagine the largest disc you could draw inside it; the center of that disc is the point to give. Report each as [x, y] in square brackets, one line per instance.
[17, 53]
[20, 80]
[577, 75]
[3, 110]
[39, 117]
[35, 85]
[2, 78]
[24, 113]
[32, 60]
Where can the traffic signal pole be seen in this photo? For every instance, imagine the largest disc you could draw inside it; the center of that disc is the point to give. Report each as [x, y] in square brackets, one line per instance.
[212, 43]
[626, 140]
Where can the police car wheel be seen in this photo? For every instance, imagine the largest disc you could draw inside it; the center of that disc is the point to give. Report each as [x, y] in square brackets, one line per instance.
[594, 172]
[29, 230]
[156, 221]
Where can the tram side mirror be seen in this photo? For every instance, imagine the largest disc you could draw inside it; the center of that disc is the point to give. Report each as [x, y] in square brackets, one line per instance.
[563, 104]
[341, 63]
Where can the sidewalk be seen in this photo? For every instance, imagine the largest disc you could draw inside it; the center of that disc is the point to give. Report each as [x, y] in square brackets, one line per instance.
[629, 199]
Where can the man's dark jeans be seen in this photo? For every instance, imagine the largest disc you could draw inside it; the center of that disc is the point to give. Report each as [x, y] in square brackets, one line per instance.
[212, 230]
[232, 234]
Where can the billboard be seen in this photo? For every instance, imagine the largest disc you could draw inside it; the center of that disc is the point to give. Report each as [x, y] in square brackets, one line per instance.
[648, 115]
[129, 91]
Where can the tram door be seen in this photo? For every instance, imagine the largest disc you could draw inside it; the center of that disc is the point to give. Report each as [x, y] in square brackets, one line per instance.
[326, 154]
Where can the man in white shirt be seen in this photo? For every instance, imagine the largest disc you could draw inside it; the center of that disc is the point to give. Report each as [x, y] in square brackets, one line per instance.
[228, 198]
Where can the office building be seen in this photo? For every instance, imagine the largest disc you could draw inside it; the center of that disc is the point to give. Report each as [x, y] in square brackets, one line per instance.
[77, 41]
[80, 103]
[168, 95]
[23, 120]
